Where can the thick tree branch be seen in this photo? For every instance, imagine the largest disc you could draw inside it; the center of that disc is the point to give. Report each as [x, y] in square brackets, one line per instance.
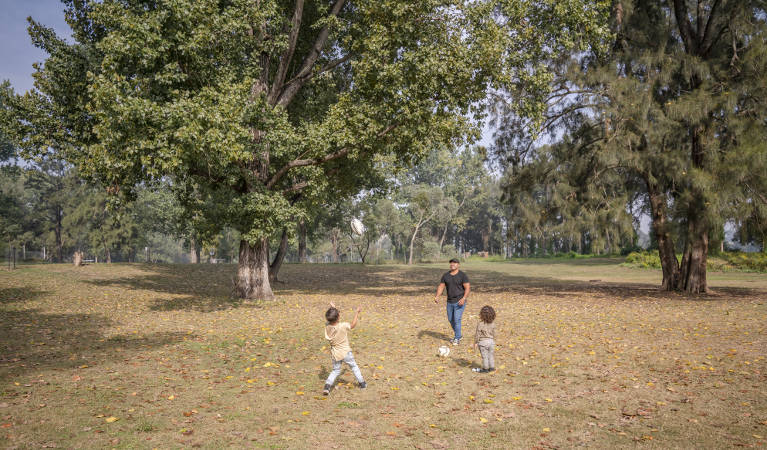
[329, 66]
[282, 70]
[684, 26]
[292, 88]
[317, 161]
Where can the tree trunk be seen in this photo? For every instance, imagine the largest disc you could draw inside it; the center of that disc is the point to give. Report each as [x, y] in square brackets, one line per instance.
[194, 251]
[412, 240]
[253, 271]
[57, 232]
[693, 270]
[442, 239]
[334, 244]
[666, 252]
[274, 267]
[77, 259]
[302, 241]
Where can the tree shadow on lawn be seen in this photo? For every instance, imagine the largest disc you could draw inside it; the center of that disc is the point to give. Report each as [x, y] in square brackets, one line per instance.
[387, 281]
[19, 294]
[607, 261]
[199, 287]
[31, 340]
[208, 287]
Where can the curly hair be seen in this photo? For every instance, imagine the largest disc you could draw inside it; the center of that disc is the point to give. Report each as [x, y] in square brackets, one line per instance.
[331, 315]
[487, 314]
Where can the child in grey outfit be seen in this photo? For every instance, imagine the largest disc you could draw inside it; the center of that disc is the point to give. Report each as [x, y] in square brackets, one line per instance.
[484, 339]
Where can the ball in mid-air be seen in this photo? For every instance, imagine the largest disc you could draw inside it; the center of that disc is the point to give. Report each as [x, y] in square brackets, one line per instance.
[357, 227]
[443, 351]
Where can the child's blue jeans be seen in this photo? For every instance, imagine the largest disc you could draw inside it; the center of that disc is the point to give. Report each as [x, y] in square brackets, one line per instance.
[348, 359]
[454, 314]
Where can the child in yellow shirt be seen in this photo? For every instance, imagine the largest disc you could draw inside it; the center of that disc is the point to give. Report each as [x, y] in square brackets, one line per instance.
[340, 349]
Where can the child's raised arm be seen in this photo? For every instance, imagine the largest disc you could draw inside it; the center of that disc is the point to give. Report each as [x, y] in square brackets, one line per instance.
[356, 316]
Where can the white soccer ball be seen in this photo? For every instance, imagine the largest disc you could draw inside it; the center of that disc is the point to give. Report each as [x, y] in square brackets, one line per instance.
[357, 227]
[443, 351]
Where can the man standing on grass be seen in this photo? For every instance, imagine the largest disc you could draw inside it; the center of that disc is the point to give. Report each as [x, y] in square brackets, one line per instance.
[458, 288]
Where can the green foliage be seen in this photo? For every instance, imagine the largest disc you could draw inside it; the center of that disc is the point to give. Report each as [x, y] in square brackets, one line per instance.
[665, 121]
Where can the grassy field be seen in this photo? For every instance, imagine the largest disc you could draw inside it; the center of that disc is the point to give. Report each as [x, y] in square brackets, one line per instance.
[589, 354]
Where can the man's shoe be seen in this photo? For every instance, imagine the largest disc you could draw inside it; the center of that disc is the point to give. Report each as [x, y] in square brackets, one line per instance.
[363, 385]
[326, 390]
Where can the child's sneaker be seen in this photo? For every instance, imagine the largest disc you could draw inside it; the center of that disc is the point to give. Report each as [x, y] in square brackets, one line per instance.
[456, 341]
[477, 369]
[326, 390]
[363, 385]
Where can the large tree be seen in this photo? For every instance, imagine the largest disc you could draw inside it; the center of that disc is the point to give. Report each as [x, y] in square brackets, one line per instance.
[250, 103]
[675, 111]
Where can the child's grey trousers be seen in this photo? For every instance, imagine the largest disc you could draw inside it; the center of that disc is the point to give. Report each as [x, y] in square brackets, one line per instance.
[487, 350]
[348, 359]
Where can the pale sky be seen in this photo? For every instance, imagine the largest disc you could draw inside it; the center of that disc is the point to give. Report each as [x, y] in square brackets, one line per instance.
[17, 54]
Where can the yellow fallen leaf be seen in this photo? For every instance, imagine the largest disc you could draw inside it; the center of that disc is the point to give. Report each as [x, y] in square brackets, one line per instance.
[548, 400]
[483, 420]
[299, 393]
[171, 397]
[546, 430]
[111, 419]
[487, 400]
[305, 413]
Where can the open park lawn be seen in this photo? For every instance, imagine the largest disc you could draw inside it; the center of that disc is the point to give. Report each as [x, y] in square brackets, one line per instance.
[589, 353]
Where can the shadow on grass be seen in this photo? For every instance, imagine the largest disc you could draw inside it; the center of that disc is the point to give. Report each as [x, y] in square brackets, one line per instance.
[19, 294]
[463, 362]
[567, 261]
[31, 340]
[200, 287]
[434, 334]
[208, 287]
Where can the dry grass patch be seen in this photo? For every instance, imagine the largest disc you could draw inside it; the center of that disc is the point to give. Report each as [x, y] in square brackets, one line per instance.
[161, 356]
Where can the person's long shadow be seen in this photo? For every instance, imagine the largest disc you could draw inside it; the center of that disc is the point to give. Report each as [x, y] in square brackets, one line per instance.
[463, 362]
[433, 334]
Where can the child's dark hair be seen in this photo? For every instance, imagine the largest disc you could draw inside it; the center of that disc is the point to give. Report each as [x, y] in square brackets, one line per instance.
[331, 315]
[487, 314]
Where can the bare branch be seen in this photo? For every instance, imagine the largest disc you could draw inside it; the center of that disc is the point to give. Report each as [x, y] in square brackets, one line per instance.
[329, 66]
[282, 70]
[684, 26]
[291, 89]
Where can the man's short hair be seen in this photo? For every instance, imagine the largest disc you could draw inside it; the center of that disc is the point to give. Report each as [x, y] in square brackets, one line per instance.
[455, 261]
